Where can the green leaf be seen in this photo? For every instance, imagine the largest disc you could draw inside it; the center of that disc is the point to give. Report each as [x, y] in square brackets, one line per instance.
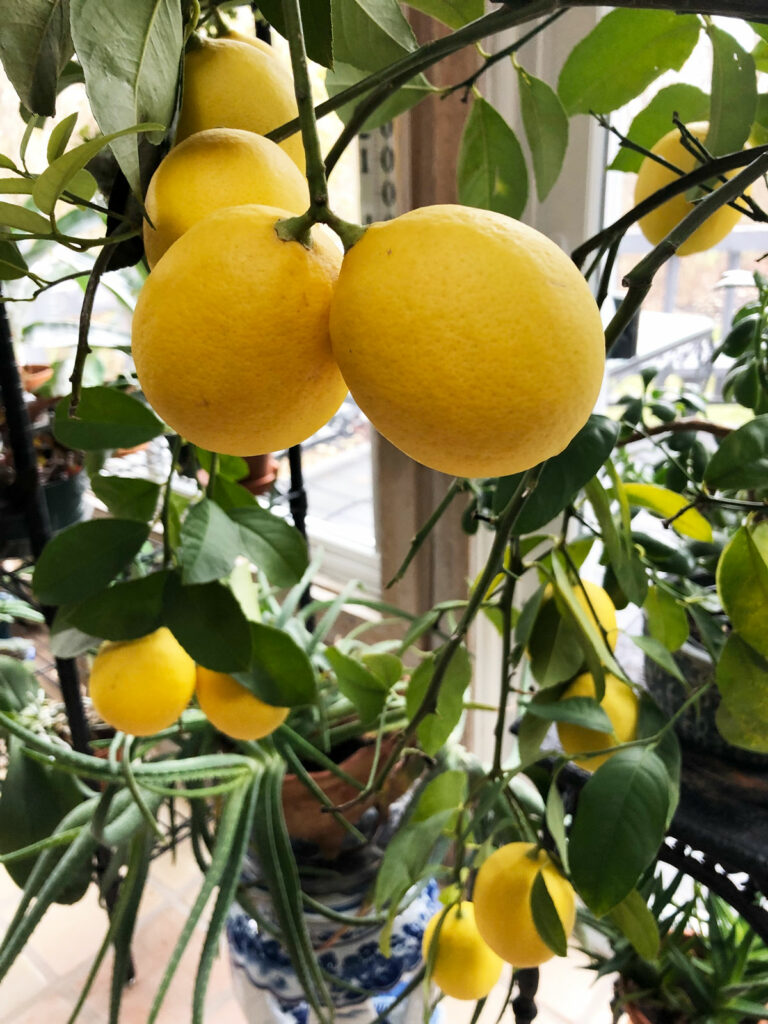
[16, 186]
[637, 924]
[528, 615]
[124, 611]
[408, 857]
[734, 94]
[316, 21]
[67, 641]
[127, 497]
[60, 136]
[210, 543]
[130, 55]
[619, 546]
[564, 475]
[388, 668]
[438, 726]
[229, 495]
[370, 33]
[584, 711]
[18, 685]
[12, 216]
[554, 648]
[546, 129]
[365, 689]
[12, 264]
[737, 728]
[657, 652]
[35, 46]
[618, 826]
[652, 123]
[667, 620]
[555, 820]
[57, 177]
[105, 418]
[596, 651]
[344, 75]
[741, 461]
[622, 55]
[667, 504]
[453, 13]
[651, 721]
[209, 624]
[742, 584]
[492, 174]
[84, 558]
[272, 544]
[742, 679]
[530, 736]
[546, 918]
[446, 792]
[279, 672]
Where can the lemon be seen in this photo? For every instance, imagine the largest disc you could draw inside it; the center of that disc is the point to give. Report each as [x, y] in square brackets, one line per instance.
[233, 84]
[230, 334]
[240, 37]
[619, 703]
[464, 966]
[469, 340]
[652, 176]
[214, 169]
[233, 709]
[502, 899]
[142, 686]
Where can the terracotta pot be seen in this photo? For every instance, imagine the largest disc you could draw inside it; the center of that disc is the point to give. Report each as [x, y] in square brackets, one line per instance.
[262, 473]
[34, 375]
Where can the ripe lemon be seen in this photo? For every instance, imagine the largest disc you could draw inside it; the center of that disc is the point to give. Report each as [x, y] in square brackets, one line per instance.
[142, 686]
[464, 966]
[621, 706]
[602, 612]
[230, 334]
[233, 709]
[652, 176]
[233, 84]
[502, 899]
[240, 37]
[214, 169]
[469, 340]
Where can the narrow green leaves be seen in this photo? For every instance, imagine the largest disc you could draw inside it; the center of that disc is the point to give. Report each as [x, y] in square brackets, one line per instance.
[734, 94]
[546, 129]
[687, 101]
[492, 174]
[131, 71]
[35, 46]
[105, 418]
[622, 55]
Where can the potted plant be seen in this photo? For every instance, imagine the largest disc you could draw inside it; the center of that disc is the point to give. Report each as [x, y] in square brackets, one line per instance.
[219, 581]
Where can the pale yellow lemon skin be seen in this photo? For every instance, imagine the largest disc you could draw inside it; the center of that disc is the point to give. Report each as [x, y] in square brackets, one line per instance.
[652, 176]
[240, 37]
[470, 340]
[233, 709]
[214, 169]
[142, 686]
[230, 334]
[233, 84]
[502, 901]
[619, 703]
[464, 966]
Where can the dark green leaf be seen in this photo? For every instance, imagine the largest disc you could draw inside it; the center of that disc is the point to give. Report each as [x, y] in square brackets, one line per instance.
[492, 174]
[366, 691]
[546, 918]
[528, 615]
[130, 56]
[636, 922]
[446, 792]
[209, 624]
[316, 22]
[584, 711]
[741, 461]
[280, 672]
[67, 641]
[370, 33]
[742, 679]
[667, 620]
[657, 652]
[12, 265]
[84, 558]
[35, 46]
[554, 648]
[530, 736]
[734, 94]
[229, 495]
[105, 418]
[435, 729]
[344, 75]
[408, 857]
[12, 216]
[564, 475]
[651, 720]
[742, 584]
[232, 467]
[272, 544]
[210, 543]
[652, 123]
[546, 129]
[618, 826]
[127, 497]
[555, 820]
[618, 545]
[622, 55]
[17, 684]
[124, 611]
[453, 13]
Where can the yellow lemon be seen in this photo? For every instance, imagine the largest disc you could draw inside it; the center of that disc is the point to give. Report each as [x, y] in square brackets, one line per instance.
[214, 169]
[469, 340]
[230, 334]
[233, 84]
[464, 966]
[240, 37]
[142, 686]
[502, 899]
[652, 176]
[233, 709]
[619, 703]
